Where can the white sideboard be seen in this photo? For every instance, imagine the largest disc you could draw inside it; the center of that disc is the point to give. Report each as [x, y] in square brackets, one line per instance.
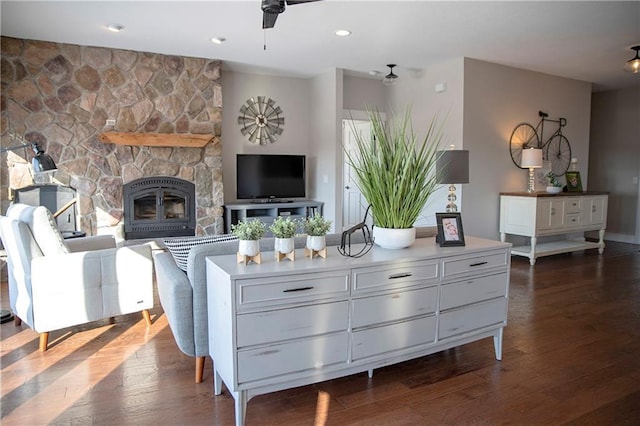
[278, 325]
[540, 214]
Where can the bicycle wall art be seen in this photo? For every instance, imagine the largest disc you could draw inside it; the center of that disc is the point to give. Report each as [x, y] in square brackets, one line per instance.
[556, 150]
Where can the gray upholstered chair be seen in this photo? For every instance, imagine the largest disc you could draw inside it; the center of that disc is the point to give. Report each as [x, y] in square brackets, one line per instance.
[183, 292]
[56, 283]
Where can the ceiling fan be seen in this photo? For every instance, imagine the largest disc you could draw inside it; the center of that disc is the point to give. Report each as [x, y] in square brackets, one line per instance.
[272, 8]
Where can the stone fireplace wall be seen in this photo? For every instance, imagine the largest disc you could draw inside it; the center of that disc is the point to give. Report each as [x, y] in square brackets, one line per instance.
[62, 95]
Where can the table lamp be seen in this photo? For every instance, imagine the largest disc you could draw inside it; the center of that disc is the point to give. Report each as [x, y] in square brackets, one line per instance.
[452, 166]
[531, 159]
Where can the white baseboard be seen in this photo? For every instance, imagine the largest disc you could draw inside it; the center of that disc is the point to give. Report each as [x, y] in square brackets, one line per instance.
[621, 238]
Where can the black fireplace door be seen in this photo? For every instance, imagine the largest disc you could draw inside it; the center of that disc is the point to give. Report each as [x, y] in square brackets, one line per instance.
[159, 207]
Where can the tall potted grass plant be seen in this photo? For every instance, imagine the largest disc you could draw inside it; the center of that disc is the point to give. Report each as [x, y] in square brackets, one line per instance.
[396, 173]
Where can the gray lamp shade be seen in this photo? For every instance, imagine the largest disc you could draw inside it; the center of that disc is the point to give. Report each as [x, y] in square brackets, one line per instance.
[452, 166]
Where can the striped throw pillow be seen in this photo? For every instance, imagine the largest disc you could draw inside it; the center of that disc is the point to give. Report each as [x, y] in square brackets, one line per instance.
[181, 246]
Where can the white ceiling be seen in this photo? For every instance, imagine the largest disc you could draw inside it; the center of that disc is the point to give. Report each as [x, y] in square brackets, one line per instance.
[581, 40]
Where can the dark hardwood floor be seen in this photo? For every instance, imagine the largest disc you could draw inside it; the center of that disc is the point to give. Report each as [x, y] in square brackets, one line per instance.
[571, 356]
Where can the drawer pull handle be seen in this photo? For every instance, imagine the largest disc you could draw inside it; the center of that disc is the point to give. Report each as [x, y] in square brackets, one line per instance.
[478, 264]
[289, 290]
[401, 275]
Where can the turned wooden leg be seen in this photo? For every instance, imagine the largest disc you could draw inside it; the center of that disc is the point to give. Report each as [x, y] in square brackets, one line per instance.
[44, 341]
[147, 317]
[199, 368]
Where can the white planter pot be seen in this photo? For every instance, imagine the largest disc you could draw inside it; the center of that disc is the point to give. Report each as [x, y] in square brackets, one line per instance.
[554, 189]
[284, 245]
[249, 247]
[316, 242]
[394, 238]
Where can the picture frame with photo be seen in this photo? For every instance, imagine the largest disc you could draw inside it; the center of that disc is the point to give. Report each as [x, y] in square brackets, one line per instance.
[450, 232]
[574, 183]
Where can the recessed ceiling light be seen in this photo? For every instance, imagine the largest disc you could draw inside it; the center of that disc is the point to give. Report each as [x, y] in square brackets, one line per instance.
[218, 40]
[343, 33]
[116, 28]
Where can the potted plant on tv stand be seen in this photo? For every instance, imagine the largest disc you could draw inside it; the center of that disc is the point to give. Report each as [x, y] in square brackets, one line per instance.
[396, 173]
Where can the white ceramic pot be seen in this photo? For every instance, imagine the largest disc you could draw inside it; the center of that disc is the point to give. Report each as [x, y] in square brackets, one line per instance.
[316, 242]
[390, 238]
[554, 189]
[249, 247]
[284, 245]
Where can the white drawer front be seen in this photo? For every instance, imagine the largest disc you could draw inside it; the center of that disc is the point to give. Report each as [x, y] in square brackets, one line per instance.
[473, 290]
[301, 355]
[393, 337]
[393, 277]
[472, 317]
[572, 205]
[264, 292]
[472, 264]
[393, 306]
[573, 220]
[275, 326]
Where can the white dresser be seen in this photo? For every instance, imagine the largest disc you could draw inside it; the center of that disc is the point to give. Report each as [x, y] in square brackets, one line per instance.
[540, 214]
[279, 325]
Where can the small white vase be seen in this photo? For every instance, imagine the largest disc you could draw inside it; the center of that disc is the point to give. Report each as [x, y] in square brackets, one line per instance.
[284, 245]
[391, 238]
[249, 247]
[316, 242]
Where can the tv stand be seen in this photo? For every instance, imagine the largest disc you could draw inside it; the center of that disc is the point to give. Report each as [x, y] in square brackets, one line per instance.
[267, 211]
[269, 201]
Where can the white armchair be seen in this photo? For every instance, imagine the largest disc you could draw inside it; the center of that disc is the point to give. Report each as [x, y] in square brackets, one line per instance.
[56, 283]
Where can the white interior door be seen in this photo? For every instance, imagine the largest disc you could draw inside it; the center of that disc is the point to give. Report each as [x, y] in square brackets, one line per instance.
[354, 204]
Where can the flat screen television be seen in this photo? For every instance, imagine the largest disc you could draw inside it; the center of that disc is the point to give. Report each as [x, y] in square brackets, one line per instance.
[270, 177]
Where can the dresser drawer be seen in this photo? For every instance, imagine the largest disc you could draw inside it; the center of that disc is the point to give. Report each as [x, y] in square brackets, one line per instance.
[468, 265]
[393, 337]
[472, 317]
[401, 275]
[273, 291]
[572, 205]
[573, 220]
[393, 306]
[301, 355]
[473, 290]
[284, 324]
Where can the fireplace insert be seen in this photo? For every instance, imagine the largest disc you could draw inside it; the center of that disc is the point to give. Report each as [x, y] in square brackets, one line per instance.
[156, 207]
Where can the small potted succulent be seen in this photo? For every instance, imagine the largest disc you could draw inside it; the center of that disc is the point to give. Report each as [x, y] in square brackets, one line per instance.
[554, 186]
[284, 229]
[316, 228]
[248, 232]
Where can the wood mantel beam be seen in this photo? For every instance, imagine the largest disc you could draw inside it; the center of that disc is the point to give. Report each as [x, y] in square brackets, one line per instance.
[170, 140]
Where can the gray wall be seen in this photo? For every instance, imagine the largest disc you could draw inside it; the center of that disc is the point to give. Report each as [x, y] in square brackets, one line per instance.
[291, 94]
[362, 93]
[615, 159]
[482, 103]
[496, 99]
[325, 149]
